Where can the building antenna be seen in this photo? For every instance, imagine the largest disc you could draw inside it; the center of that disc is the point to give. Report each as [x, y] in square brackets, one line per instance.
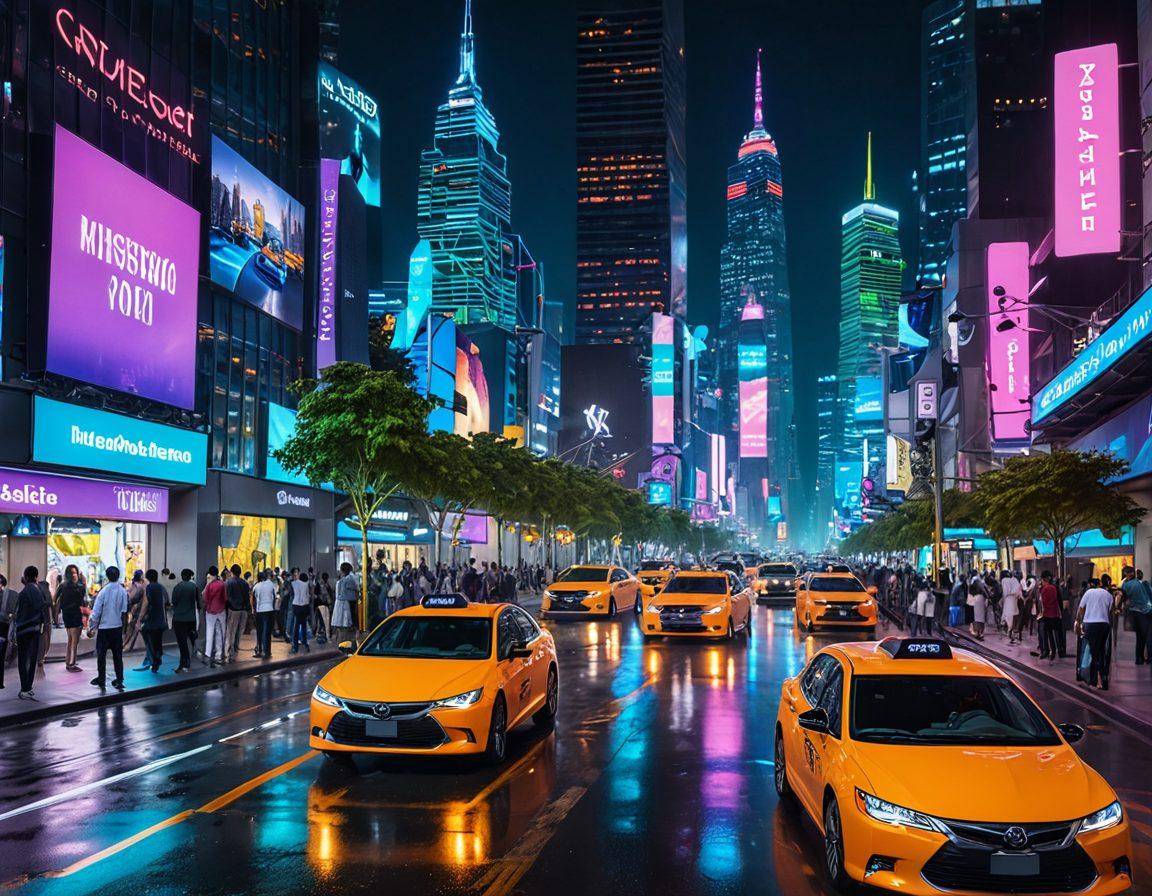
[869, 185]
[758, 113]
[467, 49]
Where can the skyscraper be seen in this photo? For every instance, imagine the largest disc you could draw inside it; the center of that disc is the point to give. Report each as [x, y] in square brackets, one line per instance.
[753, 267]
[465, 204]
[631, 242]
[870, 274]
[827, 394]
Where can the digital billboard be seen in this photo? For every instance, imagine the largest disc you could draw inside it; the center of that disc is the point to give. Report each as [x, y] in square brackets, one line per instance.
[1086, 121]
[869, 408]
[436, 370]
[473, 528]
[326, 295]
[123, 275]
[752, 370]
[472, 385]
[1128, 435]
[46, 494]
[660, 493]
[350, 130]
[255, 238]
[663, 380]
[1009, 359]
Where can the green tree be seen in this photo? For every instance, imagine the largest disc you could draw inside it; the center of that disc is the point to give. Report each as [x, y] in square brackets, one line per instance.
[1055, 496]
[441, 473]
[504, 472]
[354, 427]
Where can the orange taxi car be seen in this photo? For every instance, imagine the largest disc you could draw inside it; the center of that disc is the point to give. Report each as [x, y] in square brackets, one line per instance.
[446, 677]
[705, 604]
[590, 589]
[928, 770]
[653, 575]
[834, 598]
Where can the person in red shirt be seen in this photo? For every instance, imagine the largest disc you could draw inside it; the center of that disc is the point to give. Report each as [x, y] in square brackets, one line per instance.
[1051, 642]
[215, 606]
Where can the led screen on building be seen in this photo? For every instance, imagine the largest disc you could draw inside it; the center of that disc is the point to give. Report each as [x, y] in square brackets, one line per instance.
[472, 385]
[350, 130]
[1009, 360]
[868, 408]
[123, 274]
[663, 380]
[752, 366]
[255, 238]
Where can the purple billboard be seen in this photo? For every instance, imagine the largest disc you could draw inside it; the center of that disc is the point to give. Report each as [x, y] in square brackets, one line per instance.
[1009, 356]
[122, 294]
[326, 304]
[45, 494]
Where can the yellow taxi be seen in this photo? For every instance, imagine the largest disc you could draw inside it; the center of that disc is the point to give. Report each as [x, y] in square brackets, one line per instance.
[834, 599]
[705, 604]
[598, 590]
[653, 575]
[927, 769]
[446, 677]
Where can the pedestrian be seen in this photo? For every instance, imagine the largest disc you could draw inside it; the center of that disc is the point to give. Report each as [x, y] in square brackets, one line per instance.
[105, 624]
[978, 601]
[1013, 594]
[28, 624]
[470, 581]
[215, 607]
[347, 590]
[264, 598]
[301, 611]
[1094, 623]
[154, 618]
[1050, 622]
[8, 598]
[925, 605]
[239, 600]
[131, 631]
[185, 608]
[957, 602]
[325, 595]
[508, 588]
[284, 603]
[1136, 604]
[70, 601]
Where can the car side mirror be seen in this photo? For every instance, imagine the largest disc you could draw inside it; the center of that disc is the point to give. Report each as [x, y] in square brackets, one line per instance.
[815, 720]
[1071, 733]
[346, 647]
[519, 651]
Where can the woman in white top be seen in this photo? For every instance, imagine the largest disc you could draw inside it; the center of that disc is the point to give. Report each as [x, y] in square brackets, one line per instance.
[1010, 609]
[925, 605]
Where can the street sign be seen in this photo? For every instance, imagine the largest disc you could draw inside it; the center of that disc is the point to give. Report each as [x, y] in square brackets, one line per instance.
[926, 401]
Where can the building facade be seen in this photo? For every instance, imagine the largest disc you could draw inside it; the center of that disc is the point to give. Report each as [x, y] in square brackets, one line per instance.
[631, 188]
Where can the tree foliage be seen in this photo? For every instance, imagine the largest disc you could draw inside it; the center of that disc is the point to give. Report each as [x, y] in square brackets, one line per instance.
[911, 525]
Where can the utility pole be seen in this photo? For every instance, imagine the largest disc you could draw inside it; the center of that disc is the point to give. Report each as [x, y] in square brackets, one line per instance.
[938, 500]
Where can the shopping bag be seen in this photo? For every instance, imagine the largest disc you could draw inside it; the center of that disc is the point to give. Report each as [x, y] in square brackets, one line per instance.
[955, 616]
[1083, 658]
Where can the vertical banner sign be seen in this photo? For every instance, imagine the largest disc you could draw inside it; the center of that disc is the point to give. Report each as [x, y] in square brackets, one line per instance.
[715, 474]
[1086, 117]
[326, 305]
[752, 369]
[1009, 362]
[663, 386]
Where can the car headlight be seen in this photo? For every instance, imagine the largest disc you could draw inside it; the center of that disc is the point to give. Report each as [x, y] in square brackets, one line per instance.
[322, 696]
[867, 603]
[459, 701]
[819, 600]
[655, 608]
[775, 581]
[549, 594]
[719, 608]
[889, 813]
[1108, 817]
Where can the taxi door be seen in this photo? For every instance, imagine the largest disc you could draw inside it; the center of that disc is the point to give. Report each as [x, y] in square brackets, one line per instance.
[515, 672]
[538, 662]
[741, 603]
[624, 587]
[804, 749]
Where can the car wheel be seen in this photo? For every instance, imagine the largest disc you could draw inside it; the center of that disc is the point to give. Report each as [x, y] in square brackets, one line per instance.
[834, 847]
[497, 746]
[611, 606]
[546, 714]
[780, 770]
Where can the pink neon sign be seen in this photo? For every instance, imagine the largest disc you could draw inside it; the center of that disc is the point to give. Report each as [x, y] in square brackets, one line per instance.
[1009, 361]
[1086, 116]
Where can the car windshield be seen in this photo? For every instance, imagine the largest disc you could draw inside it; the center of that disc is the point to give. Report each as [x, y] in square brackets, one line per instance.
[697, 585]
[827, 583]
[946, 710]
[777, 569]
[583, 574]
[653, 564]
[431, 637]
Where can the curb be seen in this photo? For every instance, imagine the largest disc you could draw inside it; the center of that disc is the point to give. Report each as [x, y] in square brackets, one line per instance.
[115, 698]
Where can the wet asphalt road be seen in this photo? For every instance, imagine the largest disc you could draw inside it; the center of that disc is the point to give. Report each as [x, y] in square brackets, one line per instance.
[658, 779]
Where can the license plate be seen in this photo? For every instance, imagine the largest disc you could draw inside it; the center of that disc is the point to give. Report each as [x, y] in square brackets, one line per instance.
[1015, 864]
[383, 728]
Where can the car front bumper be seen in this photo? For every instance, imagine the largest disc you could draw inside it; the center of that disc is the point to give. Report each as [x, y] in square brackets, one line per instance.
[441, 732]
[847, 615]
[693, 626]
[596, 605]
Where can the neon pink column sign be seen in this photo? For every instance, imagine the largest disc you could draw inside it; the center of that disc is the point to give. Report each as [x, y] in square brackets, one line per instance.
[326, 303]
[1009, 361]
[663, 385]
[1086, 116]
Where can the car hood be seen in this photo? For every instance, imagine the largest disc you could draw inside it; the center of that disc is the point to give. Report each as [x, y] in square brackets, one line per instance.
[855, 597]
[392, 680]
[562, 587]
[692, 600]
[984, 783]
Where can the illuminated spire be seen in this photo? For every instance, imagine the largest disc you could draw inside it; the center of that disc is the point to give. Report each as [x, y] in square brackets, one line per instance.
[869, 186]
[758, 112]
[467, 49]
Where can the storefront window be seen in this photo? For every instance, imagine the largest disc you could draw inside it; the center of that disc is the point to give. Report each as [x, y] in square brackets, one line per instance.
[94, 545]
[252, 542]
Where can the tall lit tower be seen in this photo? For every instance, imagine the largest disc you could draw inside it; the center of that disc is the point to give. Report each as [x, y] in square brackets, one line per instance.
[631, 187]
[870, 273]
[753, 267]
[465, 204]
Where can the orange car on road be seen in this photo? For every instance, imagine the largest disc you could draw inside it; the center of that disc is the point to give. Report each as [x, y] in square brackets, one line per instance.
[834, 598]
[705, 604]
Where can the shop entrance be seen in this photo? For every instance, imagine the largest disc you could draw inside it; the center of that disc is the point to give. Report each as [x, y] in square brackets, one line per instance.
[252, 542]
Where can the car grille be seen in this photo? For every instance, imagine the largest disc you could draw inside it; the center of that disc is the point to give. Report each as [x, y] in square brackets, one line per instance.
[398, 710]
[1062, 870]
[682, 619]
[568, 605]
[422, 733]
[1049, 835]
[841, 612]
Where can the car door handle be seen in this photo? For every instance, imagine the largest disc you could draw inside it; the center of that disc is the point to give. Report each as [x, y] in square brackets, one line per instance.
[792, 705]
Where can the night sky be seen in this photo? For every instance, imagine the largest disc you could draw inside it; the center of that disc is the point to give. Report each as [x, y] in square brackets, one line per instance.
[832, 71]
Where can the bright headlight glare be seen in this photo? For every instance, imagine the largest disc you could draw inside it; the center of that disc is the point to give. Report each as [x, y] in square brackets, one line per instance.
[1108, 817]
[654, 608]
[719, 608]
[889, 813]
[322, 696]
[460, 700]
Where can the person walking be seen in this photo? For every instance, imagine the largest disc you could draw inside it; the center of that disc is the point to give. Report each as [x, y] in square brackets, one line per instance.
[264, 597]
[301, 611]
[347, 590]
[185, 608]
[978, 601]
[1094, 623]
[215, 607]
[1136, 604]
[470, 581]
[70, 600]
[8, 598]
[131, 630]
[925, 603]
[239, 601]
[28, 624]
[1012, 596]
[105, 624]
[325, 595]
[508, 589]
[283, 607]
[154, 618]
[1051, 641]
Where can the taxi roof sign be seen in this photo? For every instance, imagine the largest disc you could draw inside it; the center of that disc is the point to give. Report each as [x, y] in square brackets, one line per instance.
[449, 601]
[916, 648]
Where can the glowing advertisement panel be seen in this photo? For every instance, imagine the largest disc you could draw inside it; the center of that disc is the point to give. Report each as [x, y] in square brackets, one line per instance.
[44, 494]
[326, 296]
[255, 238]
[473, 528]
[1128, 435]
[663, 386]
[660, 493]
[1009, 362]
[1086, 120]
[868, 407]
[350, 130]
[1129, 330]
[752, 366]
[122, 294]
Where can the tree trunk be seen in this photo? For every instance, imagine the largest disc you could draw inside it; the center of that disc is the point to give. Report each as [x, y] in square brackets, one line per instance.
[364, 549]
[499, 541]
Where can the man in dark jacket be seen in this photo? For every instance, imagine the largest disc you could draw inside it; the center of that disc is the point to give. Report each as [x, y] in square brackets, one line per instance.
[30, 610]
[239, 596]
